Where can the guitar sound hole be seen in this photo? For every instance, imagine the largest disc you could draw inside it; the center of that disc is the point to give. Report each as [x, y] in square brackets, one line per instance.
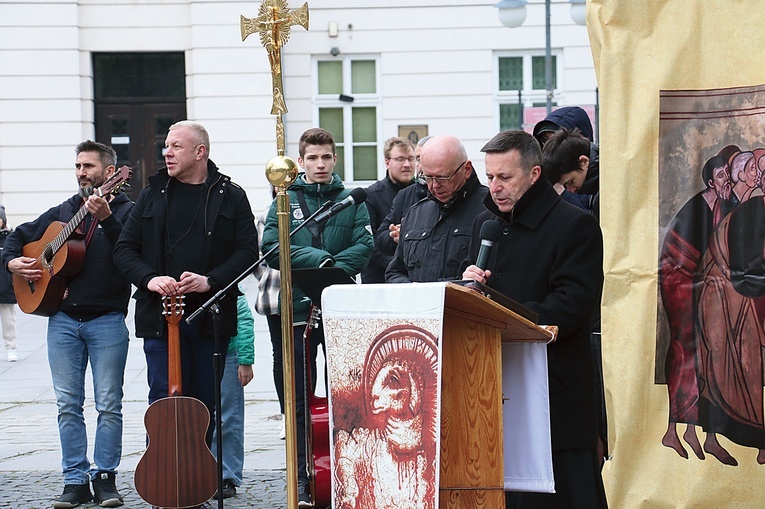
[47, 256]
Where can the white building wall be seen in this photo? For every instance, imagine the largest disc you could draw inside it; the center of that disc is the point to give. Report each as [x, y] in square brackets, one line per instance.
[437, 64]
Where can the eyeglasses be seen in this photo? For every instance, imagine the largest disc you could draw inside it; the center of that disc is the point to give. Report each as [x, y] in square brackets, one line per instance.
[442, 180]
[401, 159]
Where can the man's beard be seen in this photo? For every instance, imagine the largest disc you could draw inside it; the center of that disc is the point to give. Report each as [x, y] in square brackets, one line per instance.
[724, 191]
[85, 191]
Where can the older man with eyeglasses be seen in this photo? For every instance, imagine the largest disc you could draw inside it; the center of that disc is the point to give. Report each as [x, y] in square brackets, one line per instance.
[399, 173]
[435, 233]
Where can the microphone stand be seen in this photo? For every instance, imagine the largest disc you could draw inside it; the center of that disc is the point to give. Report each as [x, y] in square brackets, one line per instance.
[212, 306]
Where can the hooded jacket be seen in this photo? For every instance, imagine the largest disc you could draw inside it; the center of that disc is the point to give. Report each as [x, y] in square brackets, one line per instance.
[574, 117]
[345, 240]
[99, 287]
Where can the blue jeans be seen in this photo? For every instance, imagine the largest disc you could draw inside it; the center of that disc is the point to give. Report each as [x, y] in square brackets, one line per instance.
[232, 423]
[71, 343]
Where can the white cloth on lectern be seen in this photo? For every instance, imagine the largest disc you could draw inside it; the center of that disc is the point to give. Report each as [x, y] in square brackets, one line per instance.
[526, 418]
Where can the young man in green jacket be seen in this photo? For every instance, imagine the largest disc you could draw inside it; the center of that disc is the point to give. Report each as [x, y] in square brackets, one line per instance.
[345, 241]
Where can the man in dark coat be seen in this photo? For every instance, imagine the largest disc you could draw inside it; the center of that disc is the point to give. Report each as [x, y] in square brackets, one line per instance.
[549, 258]
[399, 173]
[191, 232]
[436, 231]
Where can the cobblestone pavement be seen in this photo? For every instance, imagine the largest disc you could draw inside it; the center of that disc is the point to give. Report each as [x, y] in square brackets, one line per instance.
[30, 456]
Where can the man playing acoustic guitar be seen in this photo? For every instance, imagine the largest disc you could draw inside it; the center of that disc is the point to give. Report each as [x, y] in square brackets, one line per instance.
[88, 325]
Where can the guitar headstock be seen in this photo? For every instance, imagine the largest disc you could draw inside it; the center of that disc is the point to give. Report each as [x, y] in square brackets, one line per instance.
[172, 308]
[116, 182]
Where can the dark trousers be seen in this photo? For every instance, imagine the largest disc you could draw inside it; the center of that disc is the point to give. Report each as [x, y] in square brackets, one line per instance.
[578, 484]
[197, 371]
[275, 331]
[316, 338]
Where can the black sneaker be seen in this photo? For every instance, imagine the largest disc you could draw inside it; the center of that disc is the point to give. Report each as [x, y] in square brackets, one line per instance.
[105, 492]
[73, 495]
[304, 498]
[229, 490]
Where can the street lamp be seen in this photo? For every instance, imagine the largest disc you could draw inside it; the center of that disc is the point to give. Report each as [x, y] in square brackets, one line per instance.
[512, 14]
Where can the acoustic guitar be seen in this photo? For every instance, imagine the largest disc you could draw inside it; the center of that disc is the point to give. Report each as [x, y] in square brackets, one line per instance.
[60, 254]
[177, 470]
[317, 427]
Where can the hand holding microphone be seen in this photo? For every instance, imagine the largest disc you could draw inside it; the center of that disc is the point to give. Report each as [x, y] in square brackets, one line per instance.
[490, 232]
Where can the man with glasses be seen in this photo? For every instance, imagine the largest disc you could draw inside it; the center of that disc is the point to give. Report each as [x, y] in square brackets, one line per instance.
[386, 236]
[435, 233]
[399, 173]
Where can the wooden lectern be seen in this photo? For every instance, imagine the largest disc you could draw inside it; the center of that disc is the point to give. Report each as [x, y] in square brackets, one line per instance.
[471, 470]
[471, 463]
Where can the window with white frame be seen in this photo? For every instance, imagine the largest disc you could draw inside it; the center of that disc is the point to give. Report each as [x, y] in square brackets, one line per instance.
[520, 83]
[347, 104]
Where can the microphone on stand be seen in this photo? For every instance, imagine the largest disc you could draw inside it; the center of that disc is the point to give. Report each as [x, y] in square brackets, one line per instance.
[356, 197]
[490, 232]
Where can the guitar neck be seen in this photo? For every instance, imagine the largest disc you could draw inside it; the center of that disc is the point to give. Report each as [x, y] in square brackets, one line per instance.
[174, 378]
[64, 234]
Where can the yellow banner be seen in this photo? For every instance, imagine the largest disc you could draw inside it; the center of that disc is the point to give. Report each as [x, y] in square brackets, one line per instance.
[650, 59]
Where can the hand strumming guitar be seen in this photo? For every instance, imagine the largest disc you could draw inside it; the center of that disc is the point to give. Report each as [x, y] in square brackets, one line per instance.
[26, 267]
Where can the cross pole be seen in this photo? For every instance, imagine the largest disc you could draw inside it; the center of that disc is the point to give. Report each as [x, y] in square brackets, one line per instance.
[273, 24]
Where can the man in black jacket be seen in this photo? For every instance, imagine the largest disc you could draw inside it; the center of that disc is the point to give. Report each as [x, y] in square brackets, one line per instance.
[192, 232]
[550, 259]
[88, 327]
[399, 166]
[435, 233]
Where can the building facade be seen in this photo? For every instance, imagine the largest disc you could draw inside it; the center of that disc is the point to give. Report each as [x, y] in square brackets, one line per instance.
[120, 71]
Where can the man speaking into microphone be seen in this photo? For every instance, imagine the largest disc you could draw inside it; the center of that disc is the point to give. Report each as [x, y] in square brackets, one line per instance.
[339, 236]
[549, 258]
[435, 233]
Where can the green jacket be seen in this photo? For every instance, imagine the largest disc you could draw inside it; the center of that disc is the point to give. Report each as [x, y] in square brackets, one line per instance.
[346, 239]
[244, 341]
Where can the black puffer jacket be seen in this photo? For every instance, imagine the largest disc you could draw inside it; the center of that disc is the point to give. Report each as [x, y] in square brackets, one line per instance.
[435, 236]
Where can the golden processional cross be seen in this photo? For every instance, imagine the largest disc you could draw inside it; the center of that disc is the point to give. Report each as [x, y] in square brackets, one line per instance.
[273, 24]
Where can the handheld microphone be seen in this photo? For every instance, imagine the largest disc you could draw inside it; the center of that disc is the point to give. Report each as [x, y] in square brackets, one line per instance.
[356, 197]
[490, 232]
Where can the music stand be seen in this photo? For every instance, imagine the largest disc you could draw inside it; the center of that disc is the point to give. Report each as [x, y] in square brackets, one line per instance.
[313, 281]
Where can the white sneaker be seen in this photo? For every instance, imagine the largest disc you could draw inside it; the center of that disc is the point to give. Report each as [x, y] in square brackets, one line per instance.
[282, 431]
[12, 355]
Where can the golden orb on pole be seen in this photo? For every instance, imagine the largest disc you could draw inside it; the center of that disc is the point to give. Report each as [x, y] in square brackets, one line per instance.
[281, 171]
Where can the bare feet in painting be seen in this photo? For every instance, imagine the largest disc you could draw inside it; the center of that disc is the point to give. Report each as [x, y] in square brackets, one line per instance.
[671, 439]
[713, 447]
[690, 437]
[761, 457]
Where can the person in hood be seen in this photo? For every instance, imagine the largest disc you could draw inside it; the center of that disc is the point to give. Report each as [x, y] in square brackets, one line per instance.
[571, 118]
[549, 258]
